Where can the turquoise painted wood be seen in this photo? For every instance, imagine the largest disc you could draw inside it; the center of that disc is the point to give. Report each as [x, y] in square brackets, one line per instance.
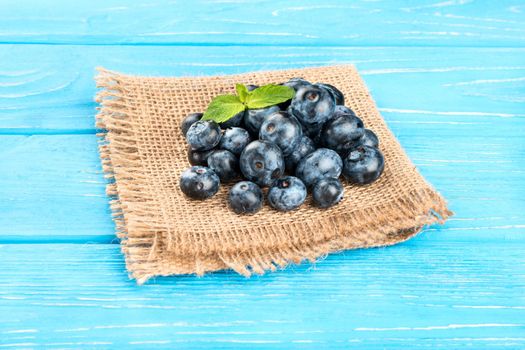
[449, 78]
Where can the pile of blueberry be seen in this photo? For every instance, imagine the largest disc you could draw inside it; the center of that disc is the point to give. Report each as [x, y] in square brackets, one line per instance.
[303, 144]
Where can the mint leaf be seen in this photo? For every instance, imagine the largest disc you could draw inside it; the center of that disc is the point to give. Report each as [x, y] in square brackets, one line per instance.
[223, 107]
[242, 91]
[269, 95]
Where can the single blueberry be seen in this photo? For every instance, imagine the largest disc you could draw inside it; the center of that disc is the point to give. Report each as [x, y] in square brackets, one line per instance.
[262, 162]
[199, 182]
[234, 121]
[312, 104]
[363, 165]
[296, 83]
[342, 133]
[304, 148]
[335, 92]
[287, 193]
[319, 164]
[234, 140]
[369, 138]
[340, 109]
[225, 164]
[245, 198]
[198, 157]
[203, 135]
[327, 192]
[283, 130]
[188, 121]
[254, 118]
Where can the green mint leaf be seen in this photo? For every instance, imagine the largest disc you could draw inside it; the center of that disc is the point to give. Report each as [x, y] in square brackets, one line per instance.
[242, 91]
[223, 107]
[269, 95]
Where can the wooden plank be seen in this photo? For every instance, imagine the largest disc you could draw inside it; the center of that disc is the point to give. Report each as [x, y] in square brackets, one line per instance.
[54, 94]
[204, 22]
[419, 294]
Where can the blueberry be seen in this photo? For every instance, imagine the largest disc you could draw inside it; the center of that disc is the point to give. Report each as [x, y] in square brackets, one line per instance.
[304, 148]
[234, 140]
[225, 164]
[262, 162]
[369, 139]
[312, 104]
[297, 83]
[199, 182]
[188, 121]
[342, 133]
[254, 118]
[251, 87]
[340, 109]
[335, 92]
[198, 157]
[363, 165]
[287, 193]
[327, 192]
[203, 135]
[245, 198]
[234, 121]
[319, 164]
[283, 130]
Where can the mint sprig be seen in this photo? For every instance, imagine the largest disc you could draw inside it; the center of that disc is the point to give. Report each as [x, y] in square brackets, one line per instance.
[224, 107]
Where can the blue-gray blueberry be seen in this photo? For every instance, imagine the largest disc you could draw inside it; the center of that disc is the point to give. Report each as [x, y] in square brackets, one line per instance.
[225, 164]
[304, 148]
[245, 198]
[199, 182]
[235, 139]
[254, 118]
[312, 104]
[342, 133]
[203, 135]
[327, 192]
[262, 162]
[198, 157]
[283, 130]
[319, 164]
[188, 121]
[363, 165]
[287, 193]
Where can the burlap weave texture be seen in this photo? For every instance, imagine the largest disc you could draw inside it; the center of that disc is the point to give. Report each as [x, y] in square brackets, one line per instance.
[162, 232]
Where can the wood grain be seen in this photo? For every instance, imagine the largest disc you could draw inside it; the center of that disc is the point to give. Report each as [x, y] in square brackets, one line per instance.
[423, 293]
[264, 22]
[50, 96]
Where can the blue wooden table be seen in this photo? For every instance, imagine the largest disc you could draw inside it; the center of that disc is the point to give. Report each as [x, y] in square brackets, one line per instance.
[449, 78]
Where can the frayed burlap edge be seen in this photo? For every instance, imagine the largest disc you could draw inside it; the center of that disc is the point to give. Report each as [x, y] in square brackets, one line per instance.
[147, 247]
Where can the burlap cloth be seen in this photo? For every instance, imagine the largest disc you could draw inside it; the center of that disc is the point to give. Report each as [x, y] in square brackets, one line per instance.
[163, 233]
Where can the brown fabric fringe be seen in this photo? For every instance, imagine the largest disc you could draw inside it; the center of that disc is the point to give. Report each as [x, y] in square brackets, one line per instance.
[163, 233]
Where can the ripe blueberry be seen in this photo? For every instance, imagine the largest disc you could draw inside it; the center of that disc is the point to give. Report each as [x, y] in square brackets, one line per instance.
[245, 198]
[234, 121]
[304, 148]
[312, 104]
[340, 109]
[234, 140]
[199, 182]
[327, 192]
[198, 157]
[287, 193]
[335, 92]
[296, 83]
[254, 118]
[262, 162]
[319, 164]
[363, 165]
[203, 135]
[188, 121]
[342, 133]
[369, 138]
[283, 130]
[225, 164]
